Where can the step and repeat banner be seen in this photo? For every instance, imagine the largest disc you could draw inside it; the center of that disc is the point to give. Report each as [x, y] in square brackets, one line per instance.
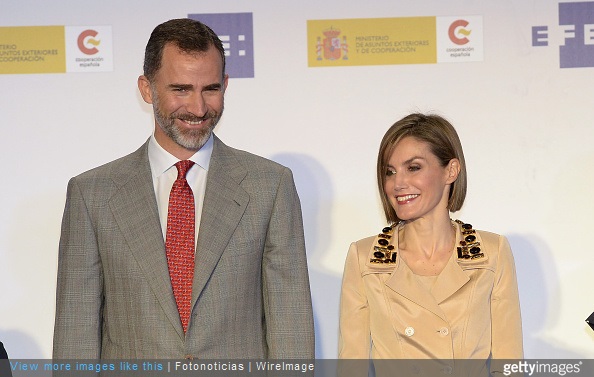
[314, 85]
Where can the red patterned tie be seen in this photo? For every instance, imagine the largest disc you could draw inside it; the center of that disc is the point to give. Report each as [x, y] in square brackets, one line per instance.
[180, 241]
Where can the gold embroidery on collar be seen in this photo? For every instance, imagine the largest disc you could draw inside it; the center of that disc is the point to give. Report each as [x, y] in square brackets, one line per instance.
[383, 251]
[470, 247]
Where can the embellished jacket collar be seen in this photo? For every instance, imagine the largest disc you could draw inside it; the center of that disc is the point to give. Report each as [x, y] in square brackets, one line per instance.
[469, 254]
[385, 246]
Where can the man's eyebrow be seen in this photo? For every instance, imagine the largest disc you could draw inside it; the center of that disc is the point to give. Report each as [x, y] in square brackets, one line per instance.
[213, 86]
[181, 86]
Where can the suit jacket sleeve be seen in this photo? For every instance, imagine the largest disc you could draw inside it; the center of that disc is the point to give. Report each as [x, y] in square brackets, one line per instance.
[505, 308]
[77, 331]
[286, 292]
[354, 334]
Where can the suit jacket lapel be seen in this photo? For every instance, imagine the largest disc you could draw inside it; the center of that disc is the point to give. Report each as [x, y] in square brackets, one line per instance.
[134, 208]
[224, 204]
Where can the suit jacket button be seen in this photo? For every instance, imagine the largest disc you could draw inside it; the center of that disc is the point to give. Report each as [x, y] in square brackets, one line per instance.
[409, 331]
[444, 331]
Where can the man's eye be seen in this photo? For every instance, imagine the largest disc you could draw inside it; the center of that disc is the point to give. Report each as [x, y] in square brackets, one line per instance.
[214, 88]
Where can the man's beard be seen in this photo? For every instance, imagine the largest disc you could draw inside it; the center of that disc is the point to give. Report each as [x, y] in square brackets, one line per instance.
[192, 139]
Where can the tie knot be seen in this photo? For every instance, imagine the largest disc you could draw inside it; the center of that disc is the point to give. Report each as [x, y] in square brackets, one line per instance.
[183, 167]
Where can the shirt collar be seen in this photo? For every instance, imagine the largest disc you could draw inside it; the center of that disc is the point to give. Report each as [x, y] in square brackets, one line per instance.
[161, 160]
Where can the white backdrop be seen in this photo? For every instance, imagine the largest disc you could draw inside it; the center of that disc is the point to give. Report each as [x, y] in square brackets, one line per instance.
[525, 124]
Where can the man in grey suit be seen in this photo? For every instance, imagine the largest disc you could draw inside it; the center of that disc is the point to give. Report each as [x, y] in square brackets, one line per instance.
[250, 294]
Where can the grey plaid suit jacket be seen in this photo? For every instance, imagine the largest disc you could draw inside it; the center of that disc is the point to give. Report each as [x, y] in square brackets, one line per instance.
[251, 296]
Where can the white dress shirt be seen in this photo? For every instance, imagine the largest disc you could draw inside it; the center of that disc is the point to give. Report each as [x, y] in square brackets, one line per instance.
[164, 174]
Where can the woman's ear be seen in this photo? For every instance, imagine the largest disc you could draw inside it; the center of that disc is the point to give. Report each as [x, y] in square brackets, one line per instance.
[453, 169]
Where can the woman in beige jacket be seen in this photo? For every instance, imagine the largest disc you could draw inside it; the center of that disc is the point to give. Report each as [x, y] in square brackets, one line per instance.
[428, 287]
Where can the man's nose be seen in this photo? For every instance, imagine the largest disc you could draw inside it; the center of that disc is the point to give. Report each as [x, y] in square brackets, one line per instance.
[197, 105]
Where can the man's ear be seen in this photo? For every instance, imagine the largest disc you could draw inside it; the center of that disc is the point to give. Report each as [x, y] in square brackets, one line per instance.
[225, 83]
[144, 86]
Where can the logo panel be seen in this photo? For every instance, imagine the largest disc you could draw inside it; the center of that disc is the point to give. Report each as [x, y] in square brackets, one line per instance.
[459, 39]
[32, 49]
[574, 35]
[236, 31]
[373, 41]
[89, 49]
[578, 50]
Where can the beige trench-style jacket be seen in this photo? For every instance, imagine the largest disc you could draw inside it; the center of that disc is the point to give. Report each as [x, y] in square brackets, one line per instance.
[471, 312]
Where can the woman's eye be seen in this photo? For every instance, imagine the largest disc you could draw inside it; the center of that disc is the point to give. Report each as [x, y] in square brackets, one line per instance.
[390, 172]
[414, 168]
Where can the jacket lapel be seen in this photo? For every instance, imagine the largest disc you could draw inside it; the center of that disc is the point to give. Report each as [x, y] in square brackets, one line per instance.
[404, 282]
[454, 277]
[134, 208]
[224, 204]
[450, 280]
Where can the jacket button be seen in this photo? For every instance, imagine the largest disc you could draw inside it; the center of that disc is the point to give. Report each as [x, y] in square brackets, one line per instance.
[447, 370]
[444, 331]
[409, 331]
